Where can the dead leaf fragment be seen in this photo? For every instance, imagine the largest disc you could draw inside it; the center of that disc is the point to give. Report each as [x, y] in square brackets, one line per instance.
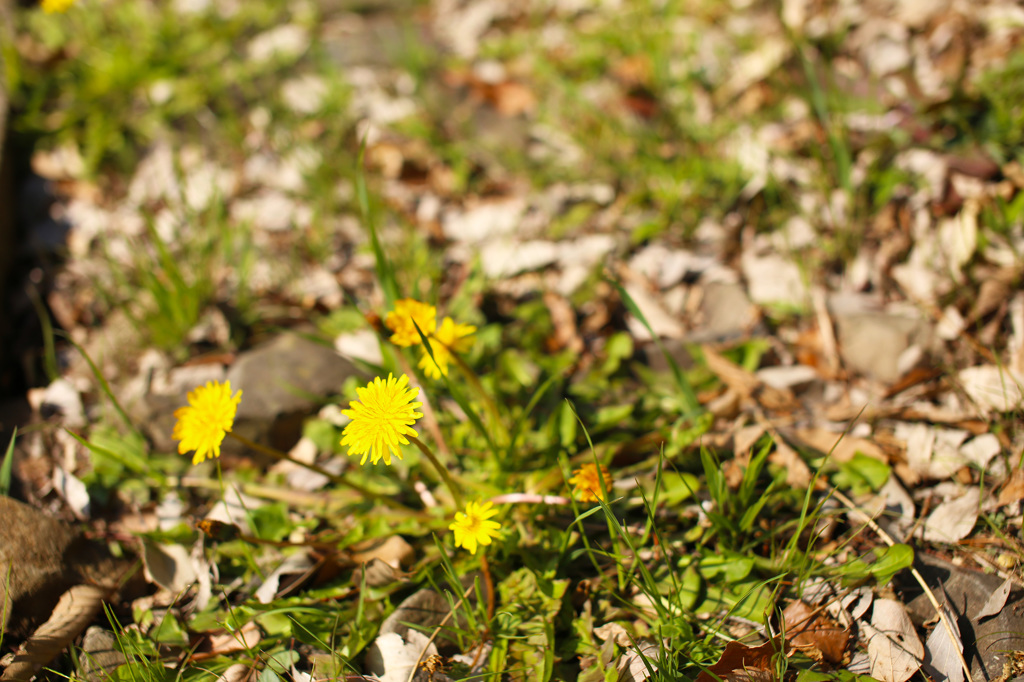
[638, 663]
[742, 663]
[1013, 490]
[75, 610]
[169, 566]
[814, 633]
[992, 388]
[953, 521]
[996, 601]
[894, 649]
[942, 653]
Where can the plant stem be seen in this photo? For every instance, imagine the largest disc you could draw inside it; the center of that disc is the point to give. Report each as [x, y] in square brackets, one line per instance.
[442, 471]
[334, 478]
[485, 568]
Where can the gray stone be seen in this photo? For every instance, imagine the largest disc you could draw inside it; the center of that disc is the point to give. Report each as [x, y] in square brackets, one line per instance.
[282, 382]
[871, 343]
[726, 312]
[100, 655]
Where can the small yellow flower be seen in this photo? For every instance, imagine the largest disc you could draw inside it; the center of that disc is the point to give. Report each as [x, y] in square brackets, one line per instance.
[56, 6]
[588, 484]
[473, 528]
[209, 415]
[450, 338]
[400, 321]
[381, 419]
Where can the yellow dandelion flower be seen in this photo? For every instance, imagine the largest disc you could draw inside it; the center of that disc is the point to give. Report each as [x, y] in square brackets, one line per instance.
[449, 338]
[400, 321]
[56, 6]
[588, 484]
[381, 419]
[209, 415]
[472, 526]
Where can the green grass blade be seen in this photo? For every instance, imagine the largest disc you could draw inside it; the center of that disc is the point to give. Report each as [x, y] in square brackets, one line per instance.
[105, 387]
[7, 466]
[128, 463]
[689, 396]
[385, 270]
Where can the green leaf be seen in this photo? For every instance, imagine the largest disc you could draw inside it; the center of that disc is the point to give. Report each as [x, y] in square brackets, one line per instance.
[861, 472]
[612, 415]
[888, 562]
[567, 427]
[678, 487]
[8, 463]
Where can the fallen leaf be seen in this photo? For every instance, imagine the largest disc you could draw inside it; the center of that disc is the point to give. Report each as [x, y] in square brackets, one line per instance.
[953, 521]
[639, 663]
[75, 610]
[742, 663]
[894, 649]
[394, 551]
[392, 657]
[996, 601]
[511, 98]
[294, 564]
[1013, 490]
[992, 387]
[169, 566]
[73, 490]
[237, 672]
[798, 474]
[842, 446]
[814, 633]
[245, 638]
[942, 653]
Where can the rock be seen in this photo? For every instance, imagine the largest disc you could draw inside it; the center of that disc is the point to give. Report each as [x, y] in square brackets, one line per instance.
[787, 376]
[44, 557]
[872, 342]
[282, 382]
[100, 655]
[772, 279]
[726, 311]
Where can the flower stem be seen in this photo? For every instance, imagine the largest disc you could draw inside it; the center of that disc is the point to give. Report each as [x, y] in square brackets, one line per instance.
[485, 568]
[334, 478]
[442, 471]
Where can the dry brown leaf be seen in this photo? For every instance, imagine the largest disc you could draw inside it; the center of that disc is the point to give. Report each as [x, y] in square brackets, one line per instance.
[814, 633]
[746, 384]
[393, 551]
[1013, 489]
[512, 99]
[245, 638]
[169, 566]
[742, 663]
[996, 601]
[842, 447]
[798, 474]
[235, 673]
[942, 653]
[732, 375]
[954, 520]
[563, 317]
[894, 649]
[75, 610]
